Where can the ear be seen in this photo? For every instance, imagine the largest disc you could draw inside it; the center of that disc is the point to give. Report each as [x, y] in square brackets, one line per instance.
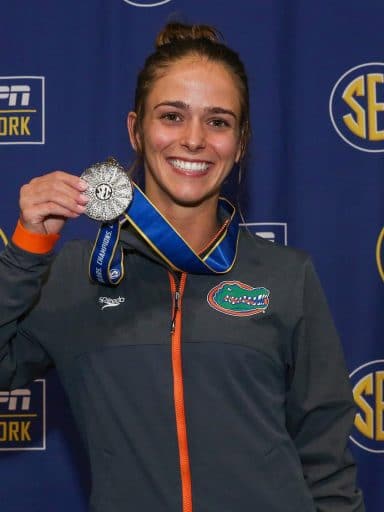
[241, 146]
[239, 152]
[133, 134]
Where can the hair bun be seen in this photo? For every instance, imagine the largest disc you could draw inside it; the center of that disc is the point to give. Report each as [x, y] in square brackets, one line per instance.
[173, 32]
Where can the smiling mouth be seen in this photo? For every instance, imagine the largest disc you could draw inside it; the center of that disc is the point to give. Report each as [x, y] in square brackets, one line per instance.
[188, 166]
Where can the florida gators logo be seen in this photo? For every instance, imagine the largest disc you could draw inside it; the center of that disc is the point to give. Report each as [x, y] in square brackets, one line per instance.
[238, 299]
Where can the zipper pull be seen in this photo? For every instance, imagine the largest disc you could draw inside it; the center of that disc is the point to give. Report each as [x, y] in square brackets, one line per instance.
[177, 297]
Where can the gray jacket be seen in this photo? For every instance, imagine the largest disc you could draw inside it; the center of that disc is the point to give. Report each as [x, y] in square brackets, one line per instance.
[261, 389]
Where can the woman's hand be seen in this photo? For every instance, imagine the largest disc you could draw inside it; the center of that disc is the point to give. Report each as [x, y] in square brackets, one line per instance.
[48, 201]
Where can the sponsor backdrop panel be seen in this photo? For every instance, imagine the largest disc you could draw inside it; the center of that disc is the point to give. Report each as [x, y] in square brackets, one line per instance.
[314, 178]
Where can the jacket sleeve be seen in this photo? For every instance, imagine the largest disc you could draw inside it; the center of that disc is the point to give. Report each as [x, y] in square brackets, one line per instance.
[22, 358]
[320, 408]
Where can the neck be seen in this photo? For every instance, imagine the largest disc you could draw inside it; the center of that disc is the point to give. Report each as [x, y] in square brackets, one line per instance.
[197, 225]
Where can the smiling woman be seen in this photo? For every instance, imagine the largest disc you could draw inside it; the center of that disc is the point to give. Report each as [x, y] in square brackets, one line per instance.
[190, 140]
[211, 378]
[190, 126]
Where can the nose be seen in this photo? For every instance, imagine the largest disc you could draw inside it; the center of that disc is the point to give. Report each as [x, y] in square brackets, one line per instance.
[193, 136]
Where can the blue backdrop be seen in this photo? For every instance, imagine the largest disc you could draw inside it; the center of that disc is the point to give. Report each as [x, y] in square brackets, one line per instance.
[314, 178]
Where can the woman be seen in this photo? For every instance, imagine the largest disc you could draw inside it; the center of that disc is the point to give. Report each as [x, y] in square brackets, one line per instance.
[217, 389]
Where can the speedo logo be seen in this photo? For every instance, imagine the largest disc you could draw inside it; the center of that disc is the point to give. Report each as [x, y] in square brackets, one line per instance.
[109, 302]
[238, 299]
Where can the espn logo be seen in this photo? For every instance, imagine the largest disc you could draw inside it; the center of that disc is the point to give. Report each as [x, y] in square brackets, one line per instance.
[14, 93]
[22, 418]
[22, 108]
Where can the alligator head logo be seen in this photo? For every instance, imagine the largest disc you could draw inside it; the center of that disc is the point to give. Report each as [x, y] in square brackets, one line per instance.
[238, 299]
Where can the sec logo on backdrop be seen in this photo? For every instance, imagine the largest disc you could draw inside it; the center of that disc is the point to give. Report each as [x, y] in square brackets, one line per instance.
[356, 107]
[146, 3]
[368, 393]
[380, 254]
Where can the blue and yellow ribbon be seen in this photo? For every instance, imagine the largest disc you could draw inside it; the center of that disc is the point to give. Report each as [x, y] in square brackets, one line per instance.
[106, 263]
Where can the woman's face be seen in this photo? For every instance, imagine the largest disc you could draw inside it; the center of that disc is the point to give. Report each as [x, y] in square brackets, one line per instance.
[190, 137]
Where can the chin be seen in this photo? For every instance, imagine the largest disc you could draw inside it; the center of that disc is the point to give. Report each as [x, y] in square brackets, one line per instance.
[190, 203]
[194, 199]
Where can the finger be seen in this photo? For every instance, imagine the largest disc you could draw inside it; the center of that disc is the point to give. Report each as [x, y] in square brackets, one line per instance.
[57, 192]
[53, 189]
[40, 210]
[71, 179]
[48, 210]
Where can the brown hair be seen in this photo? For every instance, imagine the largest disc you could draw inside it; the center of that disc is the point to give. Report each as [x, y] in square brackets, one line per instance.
[178, 40]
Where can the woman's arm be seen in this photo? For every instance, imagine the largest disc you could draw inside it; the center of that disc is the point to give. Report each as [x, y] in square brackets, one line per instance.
[46, 202]
[320, 408]
[21, 277]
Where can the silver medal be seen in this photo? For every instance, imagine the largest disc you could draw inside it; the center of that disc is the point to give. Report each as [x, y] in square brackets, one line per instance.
[109, 190]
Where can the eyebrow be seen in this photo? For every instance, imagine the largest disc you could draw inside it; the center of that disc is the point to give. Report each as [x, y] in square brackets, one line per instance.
[184, 106]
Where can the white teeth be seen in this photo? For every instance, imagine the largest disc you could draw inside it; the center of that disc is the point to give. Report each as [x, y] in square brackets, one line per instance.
[189, 166]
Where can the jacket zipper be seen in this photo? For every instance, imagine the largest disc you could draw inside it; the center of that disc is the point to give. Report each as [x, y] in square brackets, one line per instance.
[178, 391]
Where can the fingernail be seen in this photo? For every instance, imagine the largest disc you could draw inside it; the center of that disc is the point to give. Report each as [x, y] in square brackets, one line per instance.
[84, 198]
[81, 208]
[83, 185]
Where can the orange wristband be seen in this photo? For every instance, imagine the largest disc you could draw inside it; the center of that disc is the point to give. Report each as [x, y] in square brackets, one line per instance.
[33, 242]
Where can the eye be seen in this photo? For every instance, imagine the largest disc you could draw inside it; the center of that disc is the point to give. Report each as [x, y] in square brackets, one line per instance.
[219, 123]
[171, 117]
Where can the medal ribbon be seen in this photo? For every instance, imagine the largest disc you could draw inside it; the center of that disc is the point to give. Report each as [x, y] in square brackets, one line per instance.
[106, 263]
